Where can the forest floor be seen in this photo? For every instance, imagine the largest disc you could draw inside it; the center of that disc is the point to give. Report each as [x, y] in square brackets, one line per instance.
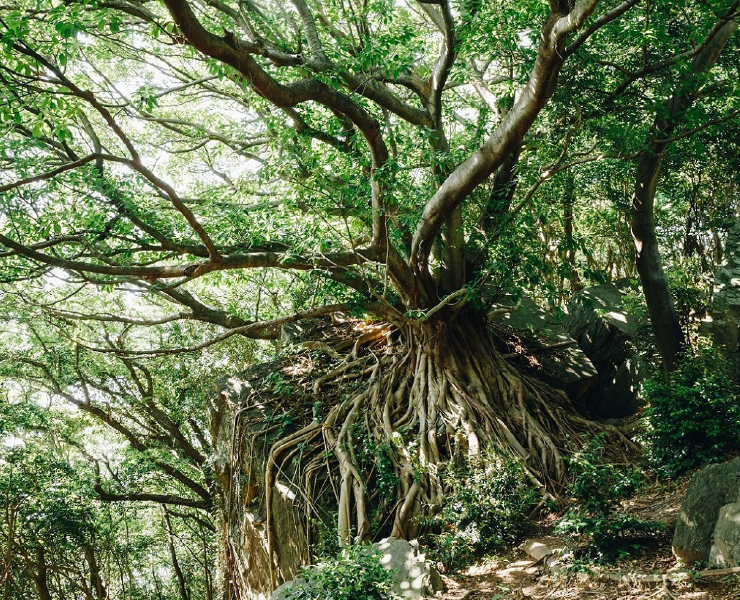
[517, 576]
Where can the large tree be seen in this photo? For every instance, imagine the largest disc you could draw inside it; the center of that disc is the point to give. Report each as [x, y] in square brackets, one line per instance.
[241, 165]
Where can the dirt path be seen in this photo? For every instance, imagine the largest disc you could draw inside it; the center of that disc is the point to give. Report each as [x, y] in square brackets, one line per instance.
[520, 578]
[517, 576]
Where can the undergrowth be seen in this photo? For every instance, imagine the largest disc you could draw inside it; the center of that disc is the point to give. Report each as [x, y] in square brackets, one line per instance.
[596, 521]
[485, 511]
[693, 419]
[356, 573]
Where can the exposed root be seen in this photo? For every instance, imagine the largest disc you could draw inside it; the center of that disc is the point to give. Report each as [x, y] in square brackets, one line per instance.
[440, 394]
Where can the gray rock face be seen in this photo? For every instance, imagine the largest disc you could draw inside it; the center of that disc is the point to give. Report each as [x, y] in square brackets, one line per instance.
[413, 578]
[725, 551]
[724, 313]
[559, 361]
[710, 489]
[240, 452]
[605, 331]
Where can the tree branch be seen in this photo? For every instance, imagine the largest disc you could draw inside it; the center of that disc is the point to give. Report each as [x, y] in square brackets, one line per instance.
[144, 497]
[507, 135]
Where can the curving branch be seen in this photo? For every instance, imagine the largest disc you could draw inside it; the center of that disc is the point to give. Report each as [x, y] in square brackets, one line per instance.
[245, 330]
[135, 161]
[603, 20]
[478, 166]
[144, 497]
[86, 405]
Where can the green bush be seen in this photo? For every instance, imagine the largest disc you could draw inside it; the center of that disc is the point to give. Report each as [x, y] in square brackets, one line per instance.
[695, 418]
[486, 510]
[595, 519]
[355, 574]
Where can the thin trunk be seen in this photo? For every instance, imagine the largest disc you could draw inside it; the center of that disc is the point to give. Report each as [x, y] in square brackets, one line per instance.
[718, 251]
[184, 595]
[206, 562]
[157, 585]
[609, 263]
[570, 247]
[666, 327]
[453, 270]
[40, 577]
[10, 515]
[502, 192]
[96, 582]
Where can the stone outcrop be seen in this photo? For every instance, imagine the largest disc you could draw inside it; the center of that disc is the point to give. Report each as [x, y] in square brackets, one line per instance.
[241, 447]
[710, 490]
[723, 323]
[605, 331]
[550, 353]
[725, 551]
[412, 577]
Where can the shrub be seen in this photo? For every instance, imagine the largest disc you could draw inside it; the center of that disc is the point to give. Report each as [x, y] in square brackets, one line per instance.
[486, 510]
[355, 574]
[693, 419]
[596, 519]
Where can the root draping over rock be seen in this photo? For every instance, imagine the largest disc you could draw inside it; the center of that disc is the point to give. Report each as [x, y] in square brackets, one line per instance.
[400, 406]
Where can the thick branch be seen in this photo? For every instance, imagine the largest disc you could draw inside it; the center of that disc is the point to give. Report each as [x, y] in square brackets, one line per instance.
[507, 136]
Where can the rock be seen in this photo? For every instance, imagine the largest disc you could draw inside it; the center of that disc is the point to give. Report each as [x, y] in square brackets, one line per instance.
[412, 577]
[725, 551]
[710, 489]
[286, 591]
[723, 322]
[605, 331]
[238, 461]
[558, 361]
[298, 331]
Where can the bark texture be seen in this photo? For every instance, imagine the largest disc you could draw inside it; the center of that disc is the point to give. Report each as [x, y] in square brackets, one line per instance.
[668, 334]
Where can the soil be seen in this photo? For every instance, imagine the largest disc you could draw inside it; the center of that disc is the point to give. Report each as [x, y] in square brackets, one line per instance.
[518, 576]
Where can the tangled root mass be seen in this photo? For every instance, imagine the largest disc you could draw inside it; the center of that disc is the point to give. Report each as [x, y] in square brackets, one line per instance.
[424, 396]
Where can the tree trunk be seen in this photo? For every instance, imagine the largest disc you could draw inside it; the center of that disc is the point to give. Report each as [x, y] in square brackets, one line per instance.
[666, 327]
[40, 577]
[668, 335]
[181, 584]
[96, 582]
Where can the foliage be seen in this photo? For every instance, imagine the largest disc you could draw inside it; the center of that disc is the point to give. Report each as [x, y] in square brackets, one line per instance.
[356, 574]
[164, 199]
[691, 290]
[595, 518]
[695, 417]
[486, 509]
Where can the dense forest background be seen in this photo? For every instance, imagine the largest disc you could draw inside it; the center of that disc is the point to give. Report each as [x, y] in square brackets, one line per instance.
[181, 178]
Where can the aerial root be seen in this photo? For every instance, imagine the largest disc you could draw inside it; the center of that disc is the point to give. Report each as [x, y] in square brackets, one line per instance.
[430, 402]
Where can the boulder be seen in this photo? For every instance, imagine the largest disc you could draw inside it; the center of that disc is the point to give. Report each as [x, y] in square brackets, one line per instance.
[553, 355]
[605, 330]
[242, 443]
[710, 489]
[723, 321]
[412, 577]
[725, 551]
